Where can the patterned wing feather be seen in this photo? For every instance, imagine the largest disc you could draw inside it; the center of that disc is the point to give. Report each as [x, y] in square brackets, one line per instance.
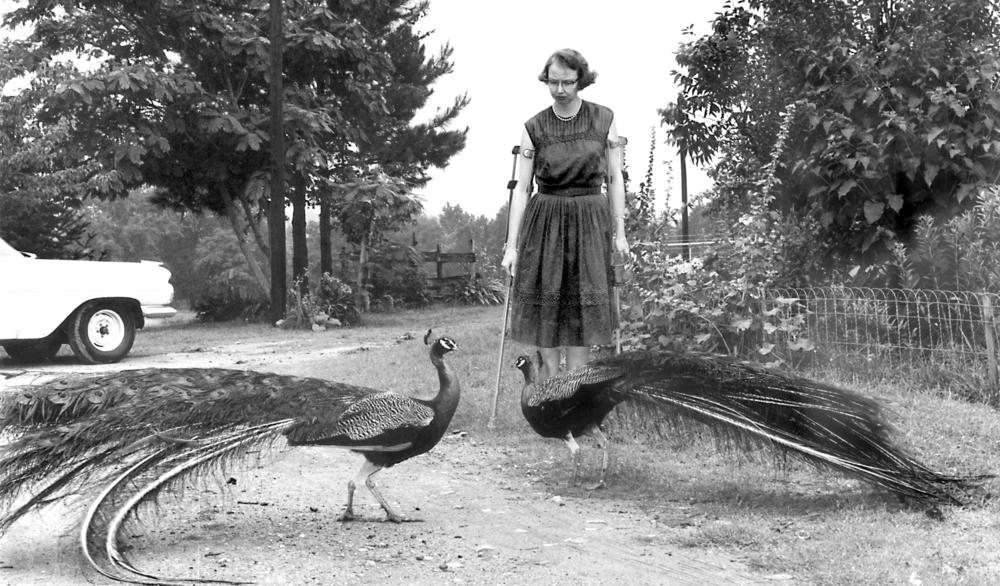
[371, 417]
[572, 384]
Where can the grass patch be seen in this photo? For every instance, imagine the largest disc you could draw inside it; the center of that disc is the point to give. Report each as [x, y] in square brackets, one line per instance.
[779, 516]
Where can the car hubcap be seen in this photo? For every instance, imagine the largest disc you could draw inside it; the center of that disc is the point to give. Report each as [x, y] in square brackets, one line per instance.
[106, 330]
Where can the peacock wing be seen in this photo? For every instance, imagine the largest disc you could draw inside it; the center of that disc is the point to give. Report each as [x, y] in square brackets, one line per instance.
[377, 421]
[575, 386]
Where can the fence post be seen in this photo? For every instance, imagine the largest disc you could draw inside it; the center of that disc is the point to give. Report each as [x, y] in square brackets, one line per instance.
[440, 263]
[472, 265]
[989, 330]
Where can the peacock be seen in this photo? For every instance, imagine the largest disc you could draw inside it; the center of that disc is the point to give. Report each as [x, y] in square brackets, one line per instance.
[127, 437]
[820, 423]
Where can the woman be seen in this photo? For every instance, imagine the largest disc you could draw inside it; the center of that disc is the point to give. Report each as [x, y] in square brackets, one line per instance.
[559, 241]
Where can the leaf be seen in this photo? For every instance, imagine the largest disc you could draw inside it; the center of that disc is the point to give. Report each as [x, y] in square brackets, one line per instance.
[873, 211]
[741, 324]
[702, 338]
[765, 349]
[870, 239]
[770, 328]
[934, 132]
[895, 202]
[826, 219]
[803, 344]
[846, 187]
[930, 172]
[963, 191]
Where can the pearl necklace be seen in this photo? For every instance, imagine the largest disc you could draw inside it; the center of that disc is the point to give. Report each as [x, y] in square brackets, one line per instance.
[567, 118]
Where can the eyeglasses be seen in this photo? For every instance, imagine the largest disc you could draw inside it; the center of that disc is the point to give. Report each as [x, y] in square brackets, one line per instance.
[562, 83]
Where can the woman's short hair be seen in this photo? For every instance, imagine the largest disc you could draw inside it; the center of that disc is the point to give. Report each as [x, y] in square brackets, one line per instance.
[572, 59]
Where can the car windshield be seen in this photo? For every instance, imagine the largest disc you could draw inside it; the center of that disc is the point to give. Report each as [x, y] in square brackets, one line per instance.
[7, 251]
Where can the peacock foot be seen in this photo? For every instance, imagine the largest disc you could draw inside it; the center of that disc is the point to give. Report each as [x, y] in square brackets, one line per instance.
[347, 515]
[395, 517]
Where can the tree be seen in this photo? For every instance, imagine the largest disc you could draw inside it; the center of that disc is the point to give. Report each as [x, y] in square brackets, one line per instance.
[366, 210]
[40, 179]
[178, 98]
[888, 112]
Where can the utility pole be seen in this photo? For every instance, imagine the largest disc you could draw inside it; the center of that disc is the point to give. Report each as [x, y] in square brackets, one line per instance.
[276, 211]
[685, 237]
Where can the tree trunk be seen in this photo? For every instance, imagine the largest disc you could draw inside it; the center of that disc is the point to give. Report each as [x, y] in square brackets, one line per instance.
[361, 302]
[241, 240]
[325, 244]
[300, 251]
[254, 221]
[276, 209]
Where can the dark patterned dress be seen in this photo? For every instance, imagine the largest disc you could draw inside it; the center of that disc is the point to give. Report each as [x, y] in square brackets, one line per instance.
[561, 283]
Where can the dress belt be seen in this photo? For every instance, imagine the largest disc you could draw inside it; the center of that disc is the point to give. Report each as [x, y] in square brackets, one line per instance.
[572, 191]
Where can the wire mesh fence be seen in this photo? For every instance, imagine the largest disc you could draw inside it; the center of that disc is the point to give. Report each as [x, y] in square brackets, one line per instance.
[899, 327]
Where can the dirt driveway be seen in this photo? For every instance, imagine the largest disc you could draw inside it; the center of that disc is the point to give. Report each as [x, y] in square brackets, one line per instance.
[484, 520]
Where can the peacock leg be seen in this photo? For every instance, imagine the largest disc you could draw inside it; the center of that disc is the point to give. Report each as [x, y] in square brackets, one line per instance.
[602, 443]
[390, 514]
[574, 450]
[348, 514]
[367, 469]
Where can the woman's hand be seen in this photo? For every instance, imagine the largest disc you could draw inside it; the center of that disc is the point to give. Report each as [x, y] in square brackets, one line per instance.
[509, 261]
[621, 243]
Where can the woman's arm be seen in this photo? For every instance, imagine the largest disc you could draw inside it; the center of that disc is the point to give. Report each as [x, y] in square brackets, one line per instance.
[519, 199]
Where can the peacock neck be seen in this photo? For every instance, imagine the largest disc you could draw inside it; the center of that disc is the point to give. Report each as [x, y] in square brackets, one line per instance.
[446, 399]
[529, 386]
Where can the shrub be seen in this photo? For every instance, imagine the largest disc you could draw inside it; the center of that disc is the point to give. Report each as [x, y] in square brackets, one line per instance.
[476, 290]
[330, 304]
[231, 295]
[395, 274]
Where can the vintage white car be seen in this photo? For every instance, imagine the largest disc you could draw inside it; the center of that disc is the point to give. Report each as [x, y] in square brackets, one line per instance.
[95, 307]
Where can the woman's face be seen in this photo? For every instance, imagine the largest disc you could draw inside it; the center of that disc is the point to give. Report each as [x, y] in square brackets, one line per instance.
[562, 82]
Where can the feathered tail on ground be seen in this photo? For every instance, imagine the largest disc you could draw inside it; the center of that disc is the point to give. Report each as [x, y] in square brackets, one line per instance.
[821, 423]
[130, 436]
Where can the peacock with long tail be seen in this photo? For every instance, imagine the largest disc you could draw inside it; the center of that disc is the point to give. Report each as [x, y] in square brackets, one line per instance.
[128, 437]
[820, 423]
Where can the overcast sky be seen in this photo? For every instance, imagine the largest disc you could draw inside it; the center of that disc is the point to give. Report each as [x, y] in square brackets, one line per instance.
[499, 49]
[501, 46]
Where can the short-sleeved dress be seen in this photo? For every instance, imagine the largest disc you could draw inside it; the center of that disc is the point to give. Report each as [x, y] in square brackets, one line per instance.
[561, 284]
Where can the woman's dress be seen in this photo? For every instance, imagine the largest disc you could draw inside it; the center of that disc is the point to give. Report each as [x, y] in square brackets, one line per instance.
[561, 291]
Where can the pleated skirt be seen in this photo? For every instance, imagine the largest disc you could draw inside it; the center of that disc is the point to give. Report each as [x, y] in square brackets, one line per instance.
[562, 293]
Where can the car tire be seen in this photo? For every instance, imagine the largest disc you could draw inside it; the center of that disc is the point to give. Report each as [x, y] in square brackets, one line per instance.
[101, 332]
[33, 351]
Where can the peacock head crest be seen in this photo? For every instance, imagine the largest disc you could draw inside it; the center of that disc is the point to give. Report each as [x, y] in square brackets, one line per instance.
[443, 345]
[526, 366]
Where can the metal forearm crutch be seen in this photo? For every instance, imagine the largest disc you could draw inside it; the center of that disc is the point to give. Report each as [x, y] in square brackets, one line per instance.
[618, 276]
[510, 286]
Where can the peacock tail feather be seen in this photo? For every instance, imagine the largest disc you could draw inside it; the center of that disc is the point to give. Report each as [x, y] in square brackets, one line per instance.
[132, 436]
[820, 423]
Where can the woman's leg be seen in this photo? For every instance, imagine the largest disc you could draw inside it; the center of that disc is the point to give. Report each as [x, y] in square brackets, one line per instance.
[550, 363]
[576, 357]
